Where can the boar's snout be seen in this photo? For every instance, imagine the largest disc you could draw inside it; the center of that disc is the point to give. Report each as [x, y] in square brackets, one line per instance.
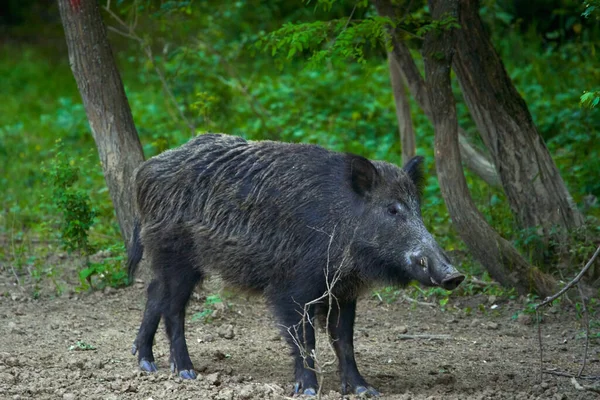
[451, 282]
[436, 270]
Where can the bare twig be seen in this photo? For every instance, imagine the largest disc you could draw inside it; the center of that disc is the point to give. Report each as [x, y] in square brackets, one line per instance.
[537, 321]
[579, 386]
[257, 108]
[305, 352]
[550, 299]
[569, 375]
[130, 33]
[424, 337]
[586, 320]
[421, 303]
[570, 284]
[480, 283]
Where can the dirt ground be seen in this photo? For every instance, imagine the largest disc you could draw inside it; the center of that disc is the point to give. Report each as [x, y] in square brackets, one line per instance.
[486, 354]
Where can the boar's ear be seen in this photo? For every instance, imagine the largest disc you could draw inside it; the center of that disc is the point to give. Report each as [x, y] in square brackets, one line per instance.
[363, 174]
[414, 169]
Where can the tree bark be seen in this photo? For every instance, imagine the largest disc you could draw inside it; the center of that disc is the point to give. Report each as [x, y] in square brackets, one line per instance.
[471, 157]
[405, 125]
[502, 261]
[535, 190]
[105, 103]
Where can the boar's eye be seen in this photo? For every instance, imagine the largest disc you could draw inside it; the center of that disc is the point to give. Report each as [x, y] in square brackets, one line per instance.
[394, 208]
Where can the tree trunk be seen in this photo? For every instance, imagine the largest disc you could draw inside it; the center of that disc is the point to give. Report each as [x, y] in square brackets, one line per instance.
[405, 125]
[105, 103]
[531, 181]
[471, 157]
[502, 261]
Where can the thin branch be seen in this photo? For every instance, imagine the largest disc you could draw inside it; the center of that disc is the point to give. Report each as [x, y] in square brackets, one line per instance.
[586, 320]
[569, 375]
[480, 283]
[424, 337]
[148, 51]
[257, 108]
[572, 283]
[539, 331]
[421, 303]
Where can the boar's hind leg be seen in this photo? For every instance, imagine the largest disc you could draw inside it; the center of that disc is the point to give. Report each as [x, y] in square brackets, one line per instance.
[143, 342]
[299, 332]
[182, 278]
[341, 331]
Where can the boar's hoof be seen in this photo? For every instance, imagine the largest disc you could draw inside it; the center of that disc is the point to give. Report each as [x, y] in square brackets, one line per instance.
[366, 392]
[147, 366]
[187, 374]
[133, 349]
[308, 391]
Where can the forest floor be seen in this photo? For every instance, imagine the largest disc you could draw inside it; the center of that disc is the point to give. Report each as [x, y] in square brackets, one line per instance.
[487, 354]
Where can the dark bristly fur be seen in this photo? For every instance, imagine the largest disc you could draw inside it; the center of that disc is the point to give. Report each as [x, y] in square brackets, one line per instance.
[273, 218]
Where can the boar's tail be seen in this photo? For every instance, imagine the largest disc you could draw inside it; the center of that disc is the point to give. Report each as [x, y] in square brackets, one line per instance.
[135, 251]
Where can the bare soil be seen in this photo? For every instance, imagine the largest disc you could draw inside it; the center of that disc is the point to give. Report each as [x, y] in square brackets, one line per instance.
[487, 354]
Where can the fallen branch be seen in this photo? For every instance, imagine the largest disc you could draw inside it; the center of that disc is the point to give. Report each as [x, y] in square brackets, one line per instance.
[570, 375]
[586, 320]
[421, 303]
[572, 283]
[424, 336]
[480, 283]
[550, 299]
[591, 388]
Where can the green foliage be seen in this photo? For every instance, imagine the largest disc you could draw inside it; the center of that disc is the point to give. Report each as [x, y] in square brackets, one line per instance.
[74, 204]
[590, 99]
[81, 346]
[592, 8]
[338, 40]
[110, 270]
[209, 308]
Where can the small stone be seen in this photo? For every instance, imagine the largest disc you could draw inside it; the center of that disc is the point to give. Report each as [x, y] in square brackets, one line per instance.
[560, 396]
[226, 394]
[474, 323]
[491, 299]
[492, 326]
[213, 379]
[128, 387]
[544, 385]
[202, 367]
[75, 364]
[219, 355]
[524, 319]
[402, 329]
[209, 338]
[5, 377]
[276, 338]
[12, 362]
[69, 396]
[226, 331]
[108, 290]
[247, 392]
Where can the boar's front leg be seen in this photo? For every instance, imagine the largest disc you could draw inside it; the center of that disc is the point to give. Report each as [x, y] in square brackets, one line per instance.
[341, 331]
[299, 332]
